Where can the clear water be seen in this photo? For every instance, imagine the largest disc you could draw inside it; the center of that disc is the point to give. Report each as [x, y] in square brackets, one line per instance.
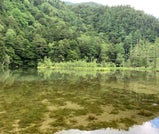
[151, 127]
[80, 102]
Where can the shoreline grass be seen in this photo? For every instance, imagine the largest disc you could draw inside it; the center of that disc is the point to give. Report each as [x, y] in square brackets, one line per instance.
[84, 65]
[100, 68]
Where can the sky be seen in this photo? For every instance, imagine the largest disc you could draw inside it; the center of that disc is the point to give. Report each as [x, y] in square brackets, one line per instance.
[148, 6]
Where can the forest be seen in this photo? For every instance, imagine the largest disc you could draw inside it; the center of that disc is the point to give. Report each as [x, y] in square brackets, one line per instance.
[32, 31]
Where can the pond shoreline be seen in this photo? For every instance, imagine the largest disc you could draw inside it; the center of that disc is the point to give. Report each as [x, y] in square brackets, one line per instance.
[101, 68]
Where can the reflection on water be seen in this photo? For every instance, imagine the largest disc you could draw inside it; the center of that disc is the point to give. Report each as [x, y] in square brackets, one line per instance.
[48, 101]
[155, 123]
[151, 127]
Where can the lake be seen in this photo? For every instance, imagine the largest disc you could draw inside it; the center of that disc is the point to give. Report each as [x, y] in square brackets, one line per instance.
[79, 102]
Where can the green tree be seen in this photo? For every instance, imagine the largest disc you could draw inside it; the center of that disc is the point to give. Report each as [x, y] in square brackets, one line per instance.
[5, 58]
[10, 38]
[40, 46]
[1, 5]
[103, 50]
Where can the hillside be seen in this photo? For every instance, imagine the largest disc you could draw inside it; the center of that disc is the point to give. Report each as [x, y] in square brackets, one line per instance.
[33, 29]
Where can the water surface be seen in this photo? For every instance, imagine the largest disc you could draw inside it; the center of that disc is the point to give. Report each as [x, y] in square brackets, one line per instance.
[48, 101]
[151, 127]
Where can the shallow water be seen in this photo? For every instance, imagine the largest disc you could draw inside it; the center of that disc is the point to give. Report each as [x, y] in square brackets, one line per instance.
[151, 127]
[48, 101]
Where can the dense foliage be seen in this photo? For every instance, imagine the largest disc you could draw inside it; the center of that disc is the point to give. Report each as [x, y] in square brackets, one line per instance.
[31, 30]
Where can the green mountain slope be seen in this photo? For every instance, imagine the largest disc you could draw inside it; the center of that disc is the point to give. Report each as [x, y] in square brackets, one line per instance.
[33, 29]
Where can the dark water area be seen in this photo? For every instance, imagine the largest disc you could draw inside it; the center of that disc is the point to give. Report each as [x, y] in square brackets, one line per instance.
[79, 102]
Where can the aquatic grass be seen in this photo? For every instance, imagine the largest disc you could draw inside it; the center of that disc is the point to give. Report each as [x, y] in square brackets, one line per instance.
[28, 102]
[67, 113]
[94, 109]
[30, 130]
[72, 121]
[80, 112]
[100, 125]
[59, 122]
[127, 121]
[130, 106]
[61, 112]
[114, 111]
[33, 115]
[6, 120]
[145, 113]
[91, 117]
